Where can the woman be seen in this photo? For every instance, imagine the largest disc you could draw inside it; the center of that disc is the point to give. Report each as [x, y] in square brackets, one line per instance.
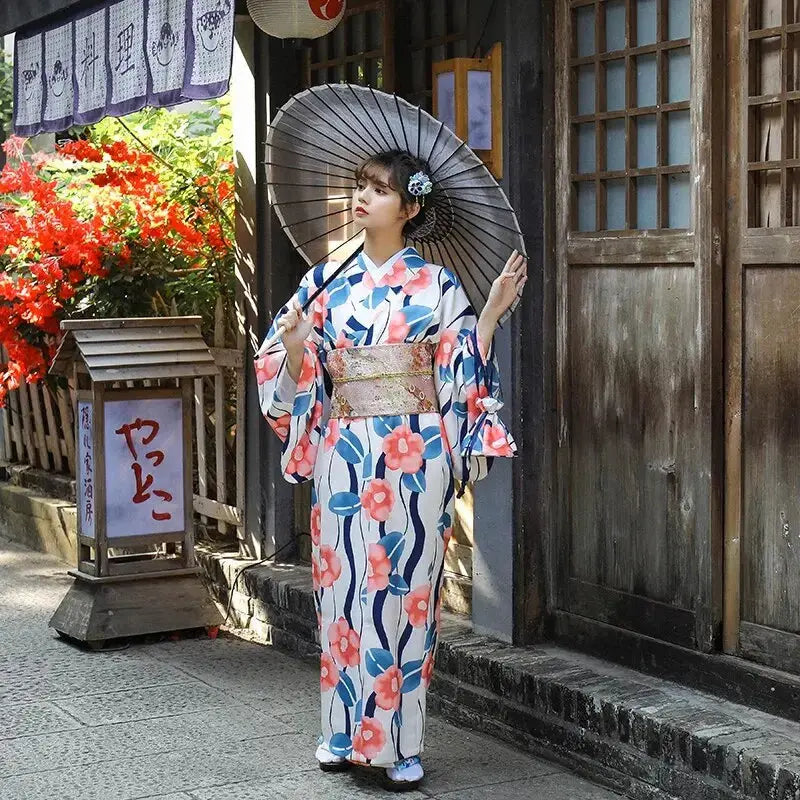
[384, 393]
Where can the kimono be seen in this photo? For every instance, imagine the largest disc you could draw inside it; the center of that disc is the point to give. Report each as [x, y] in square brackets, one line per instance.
[383, 496]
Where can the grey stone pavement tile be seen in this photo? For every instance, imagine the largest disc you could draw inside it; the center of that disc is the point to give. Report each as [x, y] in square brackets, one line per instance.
[197, 719]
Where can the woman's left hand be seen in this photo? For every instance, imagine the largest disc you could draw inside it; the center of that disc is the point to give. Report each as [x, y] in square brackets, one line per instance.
[507, 286]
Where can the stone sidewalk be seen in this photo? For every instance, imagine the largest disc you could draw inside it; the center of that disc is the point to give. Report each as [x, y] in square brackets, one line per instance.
[196, 719]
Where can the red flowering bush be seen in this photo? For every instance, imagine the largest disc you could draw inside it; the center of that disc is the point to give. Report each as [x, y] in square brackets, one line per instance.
[108, 227]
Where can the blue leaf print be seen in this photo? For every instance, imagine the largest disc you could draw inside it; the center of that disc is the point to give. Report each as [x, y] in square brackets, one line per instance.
[430, 638]
[359, 712]
[385, 425]
[414, 261]
[346, 689]
[378, 661]
[412, 675]
[394, 543]
[330, 331]
[302, 402]
[444, 523]
[340, 745]
[349, 447]
[418, 319]
[398, 585]
[376, 297]
[358, 337]
[364, 596]
[397, 719]
[445, 374]
[367, 473]
[460, 409]
[432, 437]
[415, 482]
[338, 293]
[345, 504]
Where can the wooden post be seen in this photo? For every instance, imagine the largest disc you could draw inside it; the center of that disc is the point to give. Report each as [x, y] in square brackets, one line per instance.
[219, 413]
[736, 199]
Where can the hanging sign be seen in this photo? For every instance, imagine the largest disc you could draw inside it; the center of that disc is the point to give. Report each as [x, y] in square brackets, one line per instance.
[117, 57]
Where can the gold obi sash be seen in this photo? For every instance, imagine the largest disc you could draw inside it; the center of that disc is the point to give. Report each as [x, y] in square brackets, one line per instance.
[382, 380]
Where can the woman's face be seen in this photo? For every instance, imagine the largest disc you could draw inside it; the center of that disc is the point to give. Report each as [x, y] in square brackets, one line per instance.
[376, 206]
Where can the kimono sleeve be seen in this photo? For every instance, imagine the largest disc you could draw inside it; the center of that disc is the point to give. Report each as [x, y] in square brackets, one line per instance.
[295, 411]
[468, 386]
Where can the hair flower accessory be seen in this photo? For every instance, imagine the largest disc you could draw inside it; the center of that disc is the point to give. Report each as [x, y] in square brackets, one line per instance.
[419, 185]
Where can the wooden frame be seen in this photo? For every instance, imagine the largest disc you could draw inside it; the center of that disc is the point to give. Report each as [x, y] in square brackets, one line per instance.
[629, 115]
[697, 248]
[460, 67]
[318, 59]
[751, 243]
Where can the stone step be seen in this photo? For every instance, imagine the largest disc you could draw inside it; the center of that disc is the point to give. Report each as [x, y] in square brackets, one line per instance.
[640, 735]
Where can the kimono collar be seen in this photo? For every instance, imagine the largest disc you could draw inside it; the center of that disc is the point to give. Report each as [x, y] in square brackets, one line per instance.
[396, 268]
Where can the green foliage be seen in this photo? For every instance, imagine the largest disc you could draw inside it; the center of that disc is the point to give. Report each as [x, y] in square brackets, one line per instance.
[6, 93]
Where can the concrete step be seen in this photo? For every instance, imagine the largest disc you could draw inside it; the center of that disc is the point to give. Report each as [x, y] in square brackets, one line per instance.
[640, 735]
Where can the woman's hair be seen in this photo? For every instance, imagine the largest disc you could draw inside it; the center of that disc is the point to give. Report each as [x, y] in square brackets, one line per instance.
[400, 166]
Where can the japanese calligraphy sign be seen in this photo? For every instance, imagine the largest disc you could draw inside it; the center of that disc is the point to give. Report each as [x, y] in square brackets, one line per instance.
[143, 451]
[119, 56]
[86, 485]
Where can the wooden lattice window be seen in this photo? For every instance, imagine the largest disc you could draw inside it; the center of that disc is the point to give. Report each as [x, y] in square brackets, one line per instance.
[438, 31]
[773, 133]
[359, 50]
[630, 72]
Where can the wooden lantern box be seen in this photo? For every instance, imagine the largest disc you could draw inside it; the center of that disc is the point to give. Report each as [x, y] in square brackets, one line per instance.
[136, 571]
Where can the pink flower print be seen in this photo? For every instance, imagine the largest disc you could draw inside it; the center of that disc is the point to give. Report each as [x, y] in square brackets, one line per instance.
[345, 644]
[446, 535]
[267, 367]
[331, 434]
[307, 371]
[281, 425]
[398, 327]
[367, 281]
[427, 669]
[473, 393]
[420, 282]
[370, 738]
[387, 689]
[416, 604]
[444, 351]
[318, 310]
[495, 442]
[403, 449]
[378, 499]
[316, 523]
[330, 566]
[314, 573]
[301, 461]
[328, 673]
[378, 568]
[396, 275]
[343, 341]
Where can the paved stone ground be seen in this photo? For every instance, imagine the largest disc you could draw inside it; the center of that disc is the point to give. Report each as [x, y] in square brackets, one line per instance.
[196, 719]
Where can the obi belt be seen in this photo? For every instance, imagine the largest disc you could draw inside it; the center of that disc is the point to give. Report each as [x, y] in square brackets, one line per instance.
[382, 380]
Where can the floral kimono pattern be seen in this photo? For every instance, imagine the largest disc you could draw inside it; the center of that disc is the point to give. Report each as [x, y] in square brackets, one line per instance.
[383, 498]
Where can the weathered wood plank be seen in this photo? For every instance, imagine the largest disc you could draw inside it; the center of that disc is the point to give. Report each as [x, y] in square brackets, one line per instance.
[67, 427]
[39, 432]
[219, 414]
[771, 449]
[27, 426]
[219, 511]
[52, 439]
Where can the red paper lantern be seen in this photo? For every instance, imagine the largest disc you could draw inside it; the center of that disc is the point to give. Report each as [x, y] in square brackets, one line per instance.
[296, 19]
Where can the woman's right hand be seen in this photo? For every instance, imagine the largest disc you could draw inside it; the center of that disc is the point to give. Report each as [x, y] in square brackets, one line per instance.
[296, 328]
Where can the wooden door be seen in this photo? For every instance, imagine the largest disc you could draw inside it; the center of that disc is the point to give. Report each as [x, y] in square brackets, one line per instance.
[638, 319]
[762, 612]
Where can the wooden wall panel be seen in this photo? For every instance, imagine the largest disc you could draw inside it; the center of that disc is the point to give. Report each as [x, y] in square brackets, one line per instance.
[635, 469]
[770, 587]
